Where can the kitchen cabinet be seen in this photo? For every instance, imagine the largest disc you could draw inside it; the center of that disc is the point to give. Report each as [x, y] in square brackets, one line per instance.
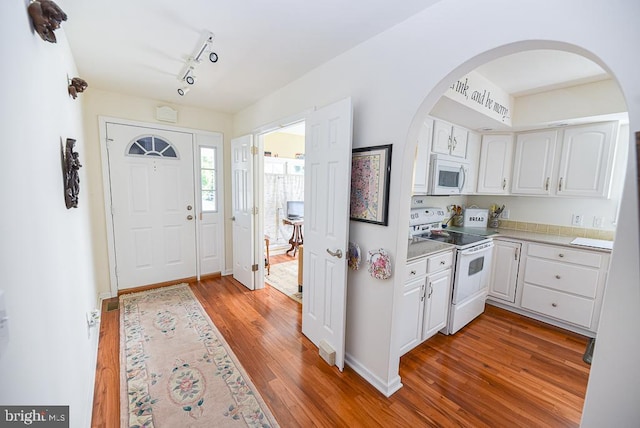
[421, 165]
[565, 284]
[582, 168]
[474, 141]
[533, 165]
[586, 162]
[504, 270]
[496, 159]
[449, 139]
[424, 306]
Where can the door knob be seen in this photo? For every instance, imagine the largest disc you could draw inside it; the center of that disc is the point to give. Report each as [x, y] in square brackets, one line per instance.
[189, 217]
[337, 254]
[233, 218]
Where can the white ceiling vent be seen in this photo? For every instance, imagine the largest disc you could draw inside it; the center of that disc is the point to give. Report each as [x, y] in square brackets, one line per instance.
[166, 114]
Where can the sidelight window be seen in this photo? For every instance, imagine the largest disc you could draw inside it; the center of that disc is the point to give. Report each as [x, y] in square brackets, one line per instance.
[208, 179]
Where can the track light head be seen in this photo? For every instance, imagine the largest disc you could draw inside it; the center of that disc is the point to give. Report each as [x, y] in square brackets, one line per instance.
[213, 57]
[182, 91]
[190, 79]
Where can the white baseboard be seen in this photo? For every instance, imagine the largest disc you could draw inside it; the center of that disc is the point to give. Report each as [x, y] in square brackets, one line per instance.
[388, 389]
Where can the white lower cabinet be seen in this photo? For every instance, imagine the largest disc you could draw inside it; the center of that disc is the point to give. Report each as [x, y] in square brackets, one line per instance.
[504, 270]
[560, 285]
[424, 307]
[565, 284]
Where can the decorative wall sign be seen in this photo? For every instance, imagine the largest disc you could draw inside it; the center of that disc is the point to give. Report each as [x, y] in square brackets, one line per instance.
[46, 17]
[70, 167]
[76, 86]
[370, 177]
[482, 95]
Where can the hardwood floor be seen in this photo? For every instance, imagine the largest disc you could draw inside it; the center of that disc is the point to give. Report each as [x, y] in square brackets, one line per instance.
[502, 370]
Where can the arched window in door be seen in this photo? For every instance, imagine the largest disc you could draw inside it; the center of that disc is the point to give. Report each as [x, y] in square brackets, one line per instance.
[150, 145]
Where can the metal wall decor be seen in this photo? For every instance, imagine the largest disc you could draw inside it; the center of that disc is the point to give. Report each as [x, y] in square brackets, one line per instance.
[70, 167]
[46, 17]
[76, 86]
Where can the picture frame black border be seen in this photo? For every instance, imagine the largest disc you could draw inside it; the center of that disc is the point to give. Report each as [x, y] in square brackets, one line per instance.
[386, 185]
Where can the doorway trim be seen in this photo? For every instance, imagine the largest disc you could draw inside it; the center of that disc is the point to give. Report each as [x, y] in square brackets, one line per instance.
[106, 187]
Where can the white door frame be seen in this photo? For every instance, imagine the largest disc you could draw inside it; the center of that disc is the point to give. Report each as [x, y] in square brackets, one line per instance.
[258, 172]
[106, 186]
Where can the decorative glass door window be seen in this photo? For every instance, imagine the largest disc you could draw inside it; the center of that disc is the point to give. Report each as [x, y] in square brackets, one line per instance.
[208, 182]
[152, 146]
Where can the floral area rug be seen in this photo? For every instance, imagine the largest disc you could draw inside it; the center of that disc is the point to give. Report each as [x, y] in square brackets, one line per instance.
[284, 278]
[177, 369]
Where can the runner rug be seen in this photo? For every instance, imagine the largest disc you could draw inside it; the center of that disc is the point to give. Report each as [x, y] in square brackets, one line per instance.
[177, 369]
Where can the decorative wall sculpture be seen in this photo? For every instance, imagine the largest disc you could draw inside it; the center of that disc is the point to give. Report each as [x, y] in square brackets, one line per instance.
[76, 86]
[70, 167]
[46, 17]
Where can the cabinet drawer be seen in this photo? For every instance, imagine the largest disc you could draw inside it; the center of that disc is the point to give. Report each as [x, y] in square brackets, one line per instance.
[562, 306]
[416, 269]
[564, 277]
[585, 258]
[439, 262]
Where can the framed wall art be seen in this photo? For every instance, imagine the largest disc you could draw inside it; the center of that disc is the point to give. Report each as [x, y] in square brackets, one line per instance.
[370, 176]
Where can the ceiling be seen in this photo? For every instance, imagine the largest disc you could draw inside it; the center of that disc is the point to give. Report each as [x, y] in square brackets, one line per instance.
[140, 47]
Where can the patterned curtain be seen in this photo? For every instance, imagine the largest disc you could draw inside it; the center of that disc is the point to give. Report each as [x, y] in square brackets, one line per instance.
[278, 189]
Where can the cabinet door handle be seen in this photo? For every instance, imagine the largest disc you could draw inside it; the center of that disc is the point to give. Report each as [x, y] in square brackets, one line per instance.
[560, 185]
[546, 184]
[504, 183]
[422, 293]
[455, 143]
[515, 256]
[449, 143]
[430, 290]
[442, 262]
[413, 272]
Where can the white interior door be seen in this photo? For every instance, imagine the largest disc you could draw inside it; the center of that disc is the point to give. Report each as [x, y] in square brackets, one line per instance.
[326, 225]
[242, 210]
[152, 196]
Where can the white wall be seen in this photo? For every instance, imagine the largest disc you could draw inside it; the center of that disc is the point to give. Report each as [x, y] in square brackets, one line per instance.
[47, 264]
[395, 79]
[103, 103]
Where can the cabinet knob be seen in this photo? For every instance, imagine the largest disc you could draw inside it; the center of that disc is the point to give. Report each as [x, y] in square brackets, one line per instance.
[555, 305]
[557, 276]
[561, 255]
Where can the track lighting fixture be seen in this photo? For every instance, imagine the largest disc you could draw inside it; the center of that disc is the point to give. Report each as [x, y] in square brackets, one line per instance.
[187, 74]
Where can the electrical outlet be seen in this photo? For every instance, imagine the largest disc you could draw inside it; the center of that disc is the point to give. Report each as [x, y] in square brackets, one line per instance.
[598, 222]
[505, 214]
[93, 317]
[577, 220]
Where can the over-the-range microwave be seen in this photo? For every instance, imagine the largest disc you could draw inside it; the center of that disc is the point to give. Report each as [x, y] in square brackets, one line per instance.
[448, 175]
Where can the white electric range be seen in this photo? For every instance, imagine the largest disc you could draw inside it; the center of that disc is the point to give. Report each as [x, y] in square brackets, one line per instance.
[472, 264]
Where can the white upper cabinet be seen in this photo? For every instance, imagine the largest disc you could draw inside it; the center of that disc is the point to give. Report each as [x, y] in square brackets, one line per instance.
[496, 158]
[586, 162]
[449, 139]
[421, 166]
[473, 157]
[533, 165]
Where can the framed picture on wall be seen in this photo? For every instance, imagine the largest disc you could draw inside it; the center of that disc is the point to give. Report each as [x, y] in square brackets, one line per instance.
[370, 177]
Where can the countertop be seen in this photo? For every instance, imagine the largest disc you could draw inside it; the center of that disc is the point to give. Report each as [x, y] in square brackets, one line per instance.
[421, 247]
[528, 236]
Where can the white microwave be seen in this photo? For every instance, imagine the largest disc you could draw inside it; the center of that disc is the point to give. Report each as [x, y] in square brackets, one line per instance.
[448, 175]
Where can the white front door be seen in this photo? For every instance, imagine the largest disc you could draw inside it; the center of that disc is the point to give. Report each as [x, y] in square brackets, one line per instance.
[242, 210]
[326, 225]
[152, 197]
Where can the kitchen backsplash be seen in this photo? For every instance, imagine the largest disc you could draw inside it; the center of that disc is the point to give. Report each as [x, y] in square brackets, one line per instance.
[551, 229]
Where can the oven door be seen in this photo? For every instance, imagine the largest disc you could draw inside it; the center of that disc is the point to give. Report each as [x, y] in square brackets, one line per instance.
[472, 272]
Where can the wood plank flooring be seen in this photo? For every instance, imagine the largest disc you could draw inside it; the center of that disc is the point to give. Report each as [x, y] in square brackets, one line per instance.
[502, 370]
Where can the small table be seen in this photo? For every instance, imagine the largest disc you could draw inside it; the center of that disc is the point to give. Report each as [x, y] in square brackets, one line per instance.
[296, 236]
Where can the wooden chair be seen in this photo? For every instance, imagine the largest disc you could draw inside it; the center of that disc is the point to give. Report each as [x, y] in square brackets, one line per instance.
[267, 260]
